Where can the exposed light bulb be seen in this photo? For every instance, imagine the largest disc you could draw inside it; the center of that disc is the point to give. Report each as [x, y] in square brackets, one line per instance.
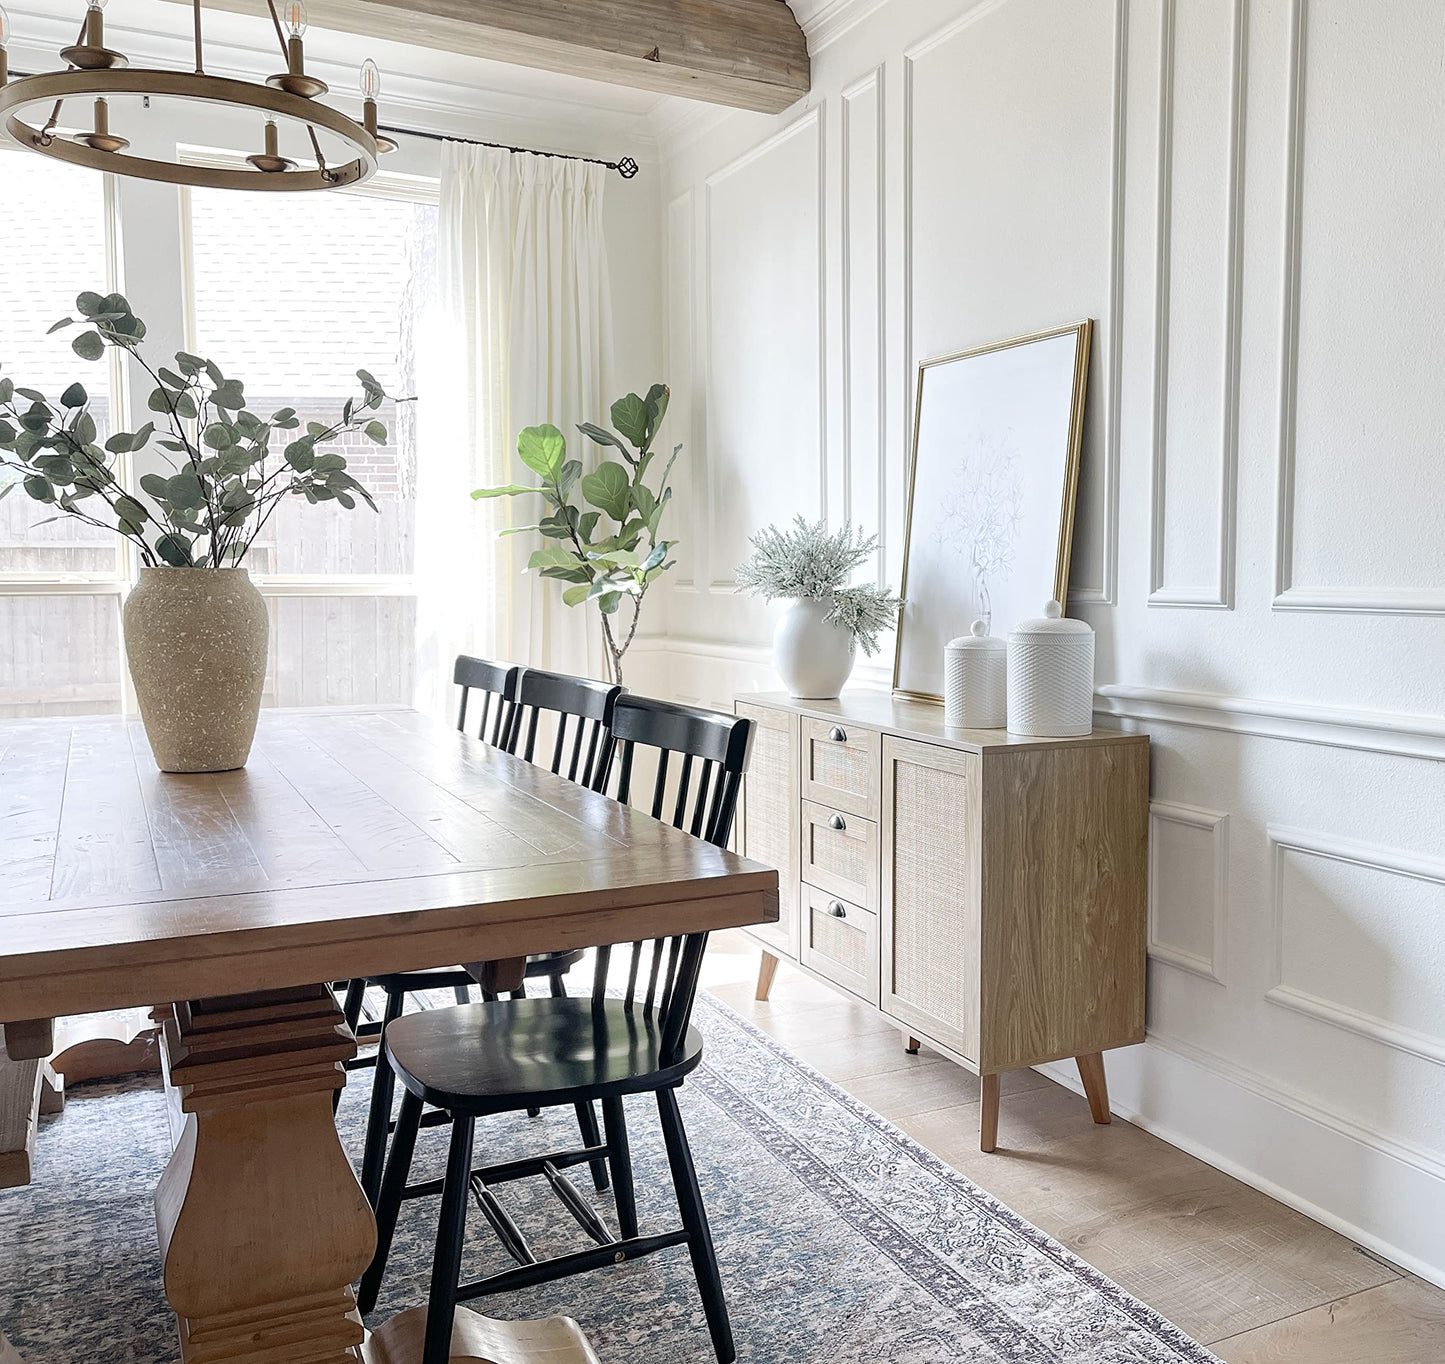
[97, 5]
[370, 79]
[293, 15]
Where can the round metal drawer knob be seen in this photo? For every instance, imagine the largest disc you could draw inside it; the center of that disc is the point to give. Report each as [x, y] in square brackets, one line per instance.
[838, 734]
[837, 822]
[836, 909]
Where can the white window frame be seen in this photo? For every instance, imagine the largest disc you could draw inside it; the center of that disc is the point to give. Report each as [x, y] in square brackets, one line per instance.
[115, 583]
[416, 189]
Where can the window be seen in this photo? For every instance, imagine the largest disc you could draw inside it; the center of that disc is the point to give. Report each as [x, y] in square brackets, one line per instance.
[292, 294]
[61, 582]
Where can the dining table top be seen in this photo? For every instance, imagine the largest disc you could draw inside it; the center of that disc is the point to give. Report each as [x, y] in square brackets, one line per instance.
[356, 841]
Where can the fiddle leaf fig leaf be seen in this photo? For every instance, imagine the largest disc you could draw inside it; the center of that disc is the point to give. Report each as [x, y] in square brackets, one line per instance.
[608, 487]
[509, 490]
[542, 449]
[629, 416]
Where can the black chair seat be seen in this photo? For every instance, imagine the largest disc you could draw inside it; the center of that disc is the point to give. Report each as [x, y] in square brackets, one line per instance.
[526, 1053]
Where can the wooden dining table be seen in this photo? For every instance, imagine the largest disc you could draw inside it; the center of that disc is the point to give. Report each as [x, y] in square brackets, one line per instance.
[356, 841]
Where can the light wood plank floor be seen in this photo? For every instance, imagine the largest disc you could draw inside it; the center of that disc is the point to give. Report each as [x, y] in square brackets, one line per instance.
[1252, 1279]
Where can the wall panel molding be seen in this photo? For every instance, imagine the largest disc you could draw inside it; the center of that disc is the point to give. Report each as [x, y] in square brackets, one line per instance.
[810, 122]
[682, 354]
[1344, 598]
[1214, 825]
[1107, 592]
[1220, 593]
[1371, 857]
[855, 128]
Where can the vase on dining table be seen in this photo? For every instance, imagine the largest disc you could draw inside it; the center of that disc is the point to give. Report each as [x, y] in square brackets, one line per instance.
[196, 640]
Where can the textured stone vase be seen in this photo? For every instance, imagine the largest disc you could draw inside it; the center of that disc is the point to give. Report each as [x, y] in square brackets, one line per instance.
[196, 639]
[813, 656]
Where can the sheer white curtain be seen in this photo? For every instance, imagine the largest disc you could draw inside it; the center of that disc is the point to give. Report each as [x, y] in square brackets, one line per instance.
[523, 336]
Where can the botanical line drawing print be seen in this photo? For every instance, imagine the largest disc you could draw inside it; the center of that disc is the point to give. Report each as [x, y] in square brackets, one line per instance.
[981, 511]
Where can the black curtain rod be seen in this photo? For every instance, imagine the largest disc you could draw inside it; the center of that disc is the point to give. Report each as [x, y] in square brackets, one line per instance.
[626, 167]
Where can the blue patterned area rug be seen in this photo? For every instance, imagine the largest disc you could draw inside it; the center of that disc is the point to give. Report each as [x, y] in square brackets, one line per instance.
[840, 1240]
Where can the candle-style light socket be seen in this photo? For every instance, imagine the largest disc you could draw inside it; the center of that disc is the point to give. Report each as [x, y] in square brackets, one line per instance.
[294, 79]
[101, 138]
[270, 161]
[91, 53]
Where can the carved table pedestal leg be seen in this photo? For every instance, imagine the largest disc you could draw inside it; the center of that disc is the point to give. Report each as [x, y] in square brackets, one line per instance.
[262, 1224]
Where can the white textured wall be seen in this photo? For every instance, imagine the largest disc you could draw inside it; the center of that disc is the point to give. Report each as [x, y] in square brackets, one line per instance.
[1247, 197]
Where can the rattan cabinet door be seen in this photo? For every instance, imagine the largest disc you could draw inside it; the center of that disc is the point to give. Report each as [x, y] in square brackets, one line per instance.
[931, 883]
[768, 818]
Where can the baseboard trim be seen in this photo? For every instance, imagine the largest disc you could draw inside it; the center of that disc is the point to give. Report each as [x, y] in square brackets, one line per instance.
[1247, 1114]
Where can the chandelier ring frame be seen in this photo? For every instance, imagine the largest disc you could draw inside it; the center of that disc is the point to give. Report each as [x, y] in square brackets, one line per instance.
[19, 94]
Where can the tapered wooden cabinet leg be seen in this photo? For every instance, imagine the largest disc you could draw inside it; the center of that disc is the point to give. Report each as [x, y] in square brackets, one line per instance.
[1096, 1086]
[767, 969]
[911, 1045]
[262, 1224]
[988, 1114]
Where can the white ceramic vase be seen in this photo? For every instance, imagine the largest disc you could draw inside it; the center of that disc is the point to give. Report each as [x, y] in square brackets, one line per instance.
[813, 657]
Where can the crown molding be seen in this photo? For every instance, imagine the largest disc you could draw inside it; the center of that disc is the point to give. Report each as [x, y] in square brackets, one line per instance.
[825, 21]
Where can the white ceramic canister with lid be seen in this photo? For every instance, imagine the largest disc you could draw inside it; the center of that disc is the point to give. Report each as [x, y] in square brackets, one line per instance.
[1051, 676]
[974, 680]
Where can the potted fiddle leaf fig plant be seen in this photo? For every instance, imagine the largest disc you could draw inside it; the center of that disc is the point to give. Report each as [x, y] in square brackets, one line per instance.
[613, 551]
[196, 631]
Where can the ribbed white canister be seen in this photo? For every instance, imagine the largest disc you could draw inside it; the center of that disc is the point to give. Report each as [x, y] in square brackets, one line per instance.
[1051, 676]
[975, 676]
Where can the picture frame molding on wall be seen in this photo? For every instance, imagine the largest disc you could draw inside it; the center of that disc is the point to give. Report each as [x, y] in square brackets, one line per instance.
[1083, 331]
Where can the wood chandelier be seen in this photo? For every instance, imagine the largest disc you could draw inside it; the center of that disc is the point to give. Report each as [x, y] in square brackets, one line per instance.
[96, 72]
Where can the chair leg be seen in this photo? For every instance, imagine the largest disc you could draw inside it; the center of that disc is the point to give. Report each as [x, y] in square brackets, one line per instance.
[694, 1219]
[592, 1136]
[559, 990]
[447, 1262]
[351, 1011]
[462, 994]
[383, 1086]
[621, 1161]
[388, 1205]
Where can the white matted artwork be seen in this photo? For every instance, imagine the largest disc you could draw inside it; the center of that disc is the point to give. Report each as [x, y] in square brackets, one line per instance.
[996, 439]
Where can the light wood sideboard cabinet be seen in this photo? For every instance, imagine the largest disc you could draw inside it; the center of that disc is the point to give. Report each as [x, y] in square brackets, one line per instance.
[986, 892]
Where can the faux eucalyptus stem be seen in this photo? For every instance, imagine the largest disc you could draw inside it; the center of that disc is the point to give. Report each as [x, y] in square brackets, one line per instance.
[601, 568]
[208, 513]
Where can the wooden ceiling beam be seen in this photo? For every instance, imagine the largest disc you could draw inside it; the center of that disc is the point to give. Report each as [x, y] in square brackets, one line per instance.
[749, 54]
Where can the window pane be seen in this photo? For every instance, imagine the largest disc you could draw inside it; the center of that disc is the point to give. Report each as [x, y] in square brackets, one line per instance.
[63, 253]
[294, 294]
[62, 655]
[340, 651]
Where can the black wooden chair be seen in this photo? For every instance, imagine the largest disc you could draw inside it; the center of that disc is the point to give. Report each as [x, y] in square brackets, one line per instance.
[498, 686]
[474, 1060]
[585, 703]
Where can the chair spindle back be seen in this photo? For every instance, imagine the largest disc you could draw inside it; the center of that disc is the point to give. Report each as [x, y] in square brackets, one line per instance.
[583, 704]
[497, 683]
[718, 747]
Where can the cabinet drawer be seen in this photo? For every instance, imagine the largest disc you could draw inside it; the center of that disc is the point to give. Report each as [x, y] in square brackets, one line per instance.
[840, 767]
[840, 942]
[840, 854]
